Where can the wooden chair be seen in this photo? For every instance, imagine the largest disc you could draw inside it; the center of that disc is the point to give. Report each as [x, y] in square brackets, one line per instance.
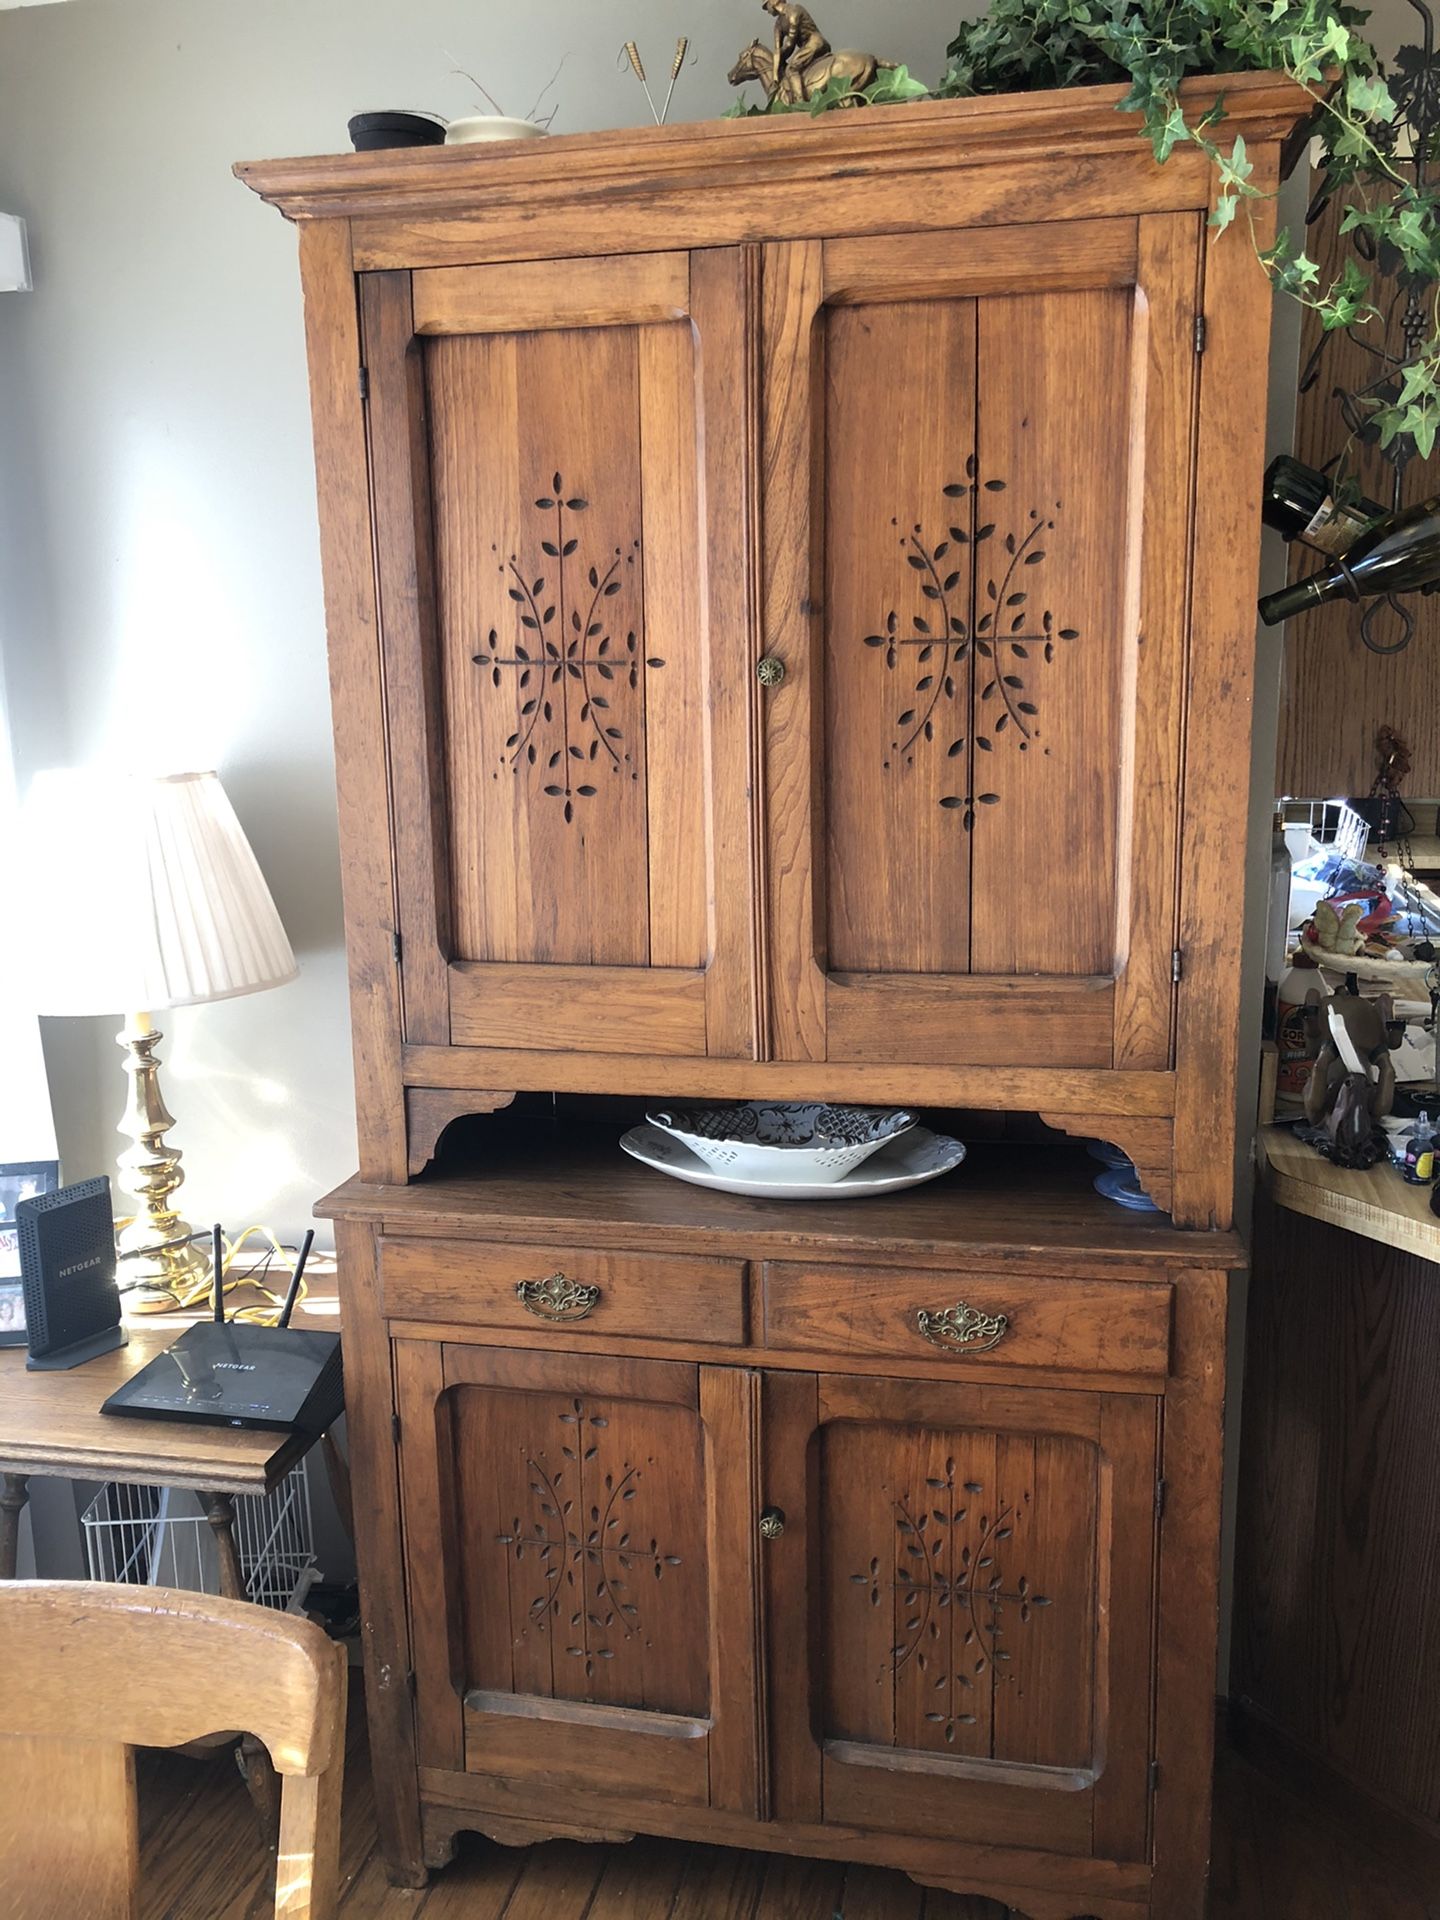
[90, 1672]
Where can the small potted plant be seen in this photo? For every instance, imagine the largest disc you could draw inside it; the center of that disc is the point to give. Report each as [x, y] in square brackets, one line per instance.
[497, 124]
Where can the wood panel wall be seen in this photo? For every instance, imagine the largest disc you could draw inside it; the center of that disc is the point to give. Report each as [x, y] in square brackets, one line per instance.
[1337, 1638]
[1337, 693]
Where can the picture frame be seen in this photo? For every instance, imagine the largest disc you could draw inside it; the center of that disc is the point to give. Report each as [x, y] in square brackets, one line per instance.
[19, 1180]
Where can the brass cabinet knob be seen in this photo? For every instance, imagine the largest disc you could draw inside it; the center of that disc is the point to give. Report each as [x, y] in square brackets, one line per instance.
[962, 1328]
[770, 671]
[557, 1297]
[772, 1523]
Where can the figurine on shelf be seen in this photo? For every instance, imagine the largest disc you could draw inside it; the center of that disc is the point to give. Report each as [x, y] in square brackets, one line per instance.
[1349, 934]
[801, 64]
[1352, 1084]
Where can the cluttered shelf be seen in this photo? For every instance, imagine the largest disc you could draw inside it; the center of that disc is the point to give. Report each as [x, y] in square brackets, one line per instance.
[1373, 1201]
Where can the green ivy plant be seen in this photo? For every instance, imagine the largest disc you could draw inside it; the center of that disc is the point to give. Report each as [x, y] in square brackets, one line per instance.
[1023, 45]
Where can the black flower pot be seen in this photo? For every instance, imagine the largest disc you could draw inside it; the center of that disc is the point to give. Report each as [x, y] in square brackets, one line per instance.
[370, 131]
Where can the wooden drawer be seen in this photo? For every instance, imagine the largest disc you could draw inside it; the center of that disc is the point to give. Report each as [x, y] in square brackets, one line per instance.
[563, 1289]
[1091, 1326]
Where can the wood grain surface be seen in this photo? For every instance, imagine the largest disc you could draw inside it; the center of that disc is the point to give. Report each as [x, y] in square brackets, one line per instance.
[103, 1669]
[1338, 1551]
[201, 1859]
[1338, 694]
[1373, 1201]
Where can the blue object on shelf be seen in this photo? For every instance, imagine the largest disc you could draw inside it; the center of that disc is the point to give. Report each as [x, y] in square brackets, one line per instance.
[1121, 1185]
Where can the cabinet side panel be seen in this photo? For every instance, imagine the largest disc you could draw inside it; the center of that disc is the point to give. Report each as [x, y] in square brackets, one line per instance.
[537, 490]
[899, 432]
[356, 693]
[1051, 650]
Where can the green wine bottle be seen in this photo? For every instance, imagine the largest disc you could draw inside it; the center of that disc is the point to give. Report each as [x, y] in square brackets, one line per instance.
[1400, 553]
[1298, 503]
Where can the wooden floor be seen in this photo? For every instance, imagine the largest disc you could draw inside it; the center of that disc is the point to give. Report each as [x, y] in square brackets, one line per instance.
[202, 1860]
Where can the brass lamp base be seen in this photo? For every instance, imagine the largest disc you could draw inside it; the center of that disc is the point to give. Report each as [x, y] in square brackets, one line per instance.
[160, 1260]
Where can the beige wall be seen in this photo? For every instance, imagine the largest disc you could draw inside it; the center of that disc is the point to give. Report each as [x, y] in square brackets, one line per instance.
[160, 592]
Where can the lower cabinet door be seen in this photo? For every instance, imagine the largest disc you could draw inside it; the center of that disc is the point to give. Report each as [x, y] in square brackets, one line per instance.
[978, 1566]
[580, 1548]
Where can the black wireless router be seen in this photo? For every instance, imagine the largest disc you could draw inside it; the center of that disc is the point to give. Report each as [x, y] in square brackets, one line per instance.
[228, 1374]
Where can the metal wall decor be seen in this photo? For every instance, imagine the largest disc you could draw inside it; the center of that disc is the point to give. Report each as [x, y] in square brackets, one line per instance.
[568, 665]
[971, 686]
[1387, 624]
[581, 1538]
[953, 1603]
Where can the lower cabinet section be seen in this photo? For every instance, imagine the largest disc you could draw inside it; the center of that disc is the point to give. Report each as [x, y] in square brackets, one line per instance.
[851, 1602]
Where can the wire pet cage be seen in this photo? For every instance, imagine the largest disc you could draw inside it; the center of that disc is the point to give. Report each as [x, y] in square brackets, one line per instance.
[159, 1537]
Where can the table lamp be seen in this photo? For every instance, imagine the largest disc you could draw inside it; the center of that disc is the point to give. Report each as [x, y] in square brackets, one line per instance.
[146, 895]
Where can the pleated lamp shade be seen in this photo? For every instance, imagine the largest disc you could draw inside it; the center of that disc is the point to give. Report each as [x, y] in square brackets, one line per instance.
[145, 895]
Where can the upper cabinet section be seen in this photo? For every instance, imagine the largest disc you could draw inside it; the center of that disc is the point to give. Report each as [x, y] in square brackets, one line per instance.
[790, 588]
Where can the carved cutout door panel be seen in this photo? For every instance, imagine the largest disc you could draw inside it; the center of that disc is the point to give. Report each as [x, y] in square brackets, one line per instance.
[977, 512]
[981, 1567]
[558, 465]
[587, 1519]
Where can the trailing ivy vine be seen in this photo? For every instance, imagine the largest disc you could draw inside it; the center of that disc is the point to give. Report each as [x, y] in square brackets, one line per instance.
[1022, 45]
[1019, 46]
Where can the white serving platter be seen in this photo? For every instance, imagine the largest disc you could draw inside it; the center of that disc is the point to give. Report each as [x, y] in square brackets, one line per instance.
[907, 1161]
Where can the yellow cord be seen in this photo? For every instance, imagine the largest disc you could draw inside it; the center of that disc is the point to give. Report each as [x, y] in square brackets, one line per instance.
[262, 1313]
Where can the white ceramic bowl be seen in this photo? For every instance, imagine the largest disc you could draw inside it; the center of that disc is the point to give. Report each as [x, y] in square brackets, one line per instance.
[780, 1140]
[490, 126]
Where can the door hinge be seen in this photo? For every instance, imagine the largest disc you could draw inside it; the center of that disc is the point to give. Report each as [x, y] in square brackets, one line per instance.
[410, 1682]
[1177, 964]
[1199, 333]
[1159, 1498]
[395, 1428]
[364, 375]
[397, 946]
[1154, 1776]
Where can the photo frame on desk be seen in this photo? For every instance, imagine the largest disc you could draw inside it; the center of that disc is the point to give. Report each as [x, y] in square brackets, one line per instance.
[19, 1180]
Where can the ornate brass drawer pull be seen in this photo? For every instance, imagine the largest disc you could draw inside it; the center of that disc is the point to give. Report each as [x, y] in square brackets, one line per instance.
[772, 1523]
[961, 1328]
[558, 1298]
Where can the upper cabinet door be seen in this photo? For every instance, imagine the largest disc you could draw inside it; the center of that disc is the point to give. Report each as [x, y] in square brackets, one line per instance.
[561, 502]
[977, 517]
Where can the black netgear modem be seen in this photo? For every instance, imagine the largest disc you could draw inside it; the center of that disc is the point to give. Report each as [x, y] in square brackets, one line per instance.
[227, 1374]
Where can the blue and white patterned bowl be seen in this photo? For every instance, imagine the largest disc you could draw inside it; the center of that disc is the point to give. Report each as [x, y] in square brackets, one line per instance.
[770, 1140]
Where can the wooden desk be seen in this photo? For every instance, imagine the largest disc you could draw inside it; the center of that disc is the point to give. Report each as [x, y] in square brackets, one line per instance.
[51, 1423]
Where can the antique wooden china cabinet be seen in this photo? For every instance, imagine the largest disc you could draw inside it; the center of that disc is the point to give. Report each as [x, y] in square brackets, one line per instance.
[790, 595]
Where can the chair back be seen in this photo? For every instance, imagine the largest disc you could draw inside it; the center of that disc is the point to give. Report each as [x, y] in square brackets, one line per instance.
[93, 1671]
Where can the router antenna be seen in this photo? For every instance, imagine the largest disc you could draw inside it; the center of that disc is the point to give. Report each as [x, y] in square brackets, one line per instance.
[217, 1282]
[293, 1291]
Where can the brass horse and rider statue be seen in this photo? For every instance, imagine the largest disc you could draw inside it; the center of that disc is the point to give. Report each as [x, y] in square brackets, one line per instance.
[801, 62]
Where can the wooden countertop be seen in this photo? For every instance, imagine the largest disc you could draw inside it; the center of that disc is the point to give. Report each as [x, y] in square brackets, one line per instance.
[569, 1185]
[1375, 1202]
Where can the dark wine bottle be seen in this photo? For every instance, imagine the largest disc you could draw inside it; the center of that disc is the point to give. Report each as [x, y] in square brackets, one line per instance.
[1298, 503]
[1399, 553]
